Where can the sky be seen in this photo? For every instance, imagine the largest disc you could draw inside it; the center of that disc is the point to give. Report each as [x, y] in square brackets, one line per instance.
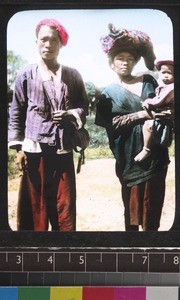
[85, 28]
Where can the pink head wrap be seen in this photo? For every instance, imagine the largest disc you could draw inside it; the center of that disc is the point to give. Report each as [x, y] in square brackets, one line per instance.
[164, 62]
[63, 35]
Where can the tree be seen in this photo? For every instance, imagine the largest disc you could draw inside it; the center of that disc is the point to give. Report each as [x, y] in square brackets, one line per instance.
[14, 63]
[92, 93]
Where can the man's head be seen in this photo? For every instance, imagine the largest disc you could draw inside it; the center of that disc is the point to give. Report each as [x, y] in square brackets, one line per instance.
[62, 33]
[51, 36]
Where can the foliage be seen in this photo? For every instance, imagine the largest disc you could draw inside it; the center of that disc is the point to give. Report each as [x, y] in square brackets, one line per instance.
[99, 145]
[92, 92]
[90, 89]
[98, 136]
[99, 152]
[14, 63]
[12, 167]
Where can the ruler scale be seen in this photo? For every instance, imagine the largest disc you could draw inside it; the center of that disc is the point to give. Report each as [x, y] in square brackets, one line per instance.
[90, 260]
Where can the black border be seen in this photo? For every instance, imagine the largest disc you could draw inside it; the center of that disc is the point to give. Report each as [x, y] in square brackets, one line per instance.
[25, 239]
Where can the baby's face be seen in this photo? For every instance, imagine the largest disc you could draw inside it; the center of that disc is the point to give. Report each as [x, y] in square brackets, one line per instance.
[167, 74]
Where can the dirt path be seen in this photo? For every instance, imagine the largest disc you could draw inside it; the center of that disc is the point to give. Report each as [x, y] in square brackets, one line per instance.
[99, 205]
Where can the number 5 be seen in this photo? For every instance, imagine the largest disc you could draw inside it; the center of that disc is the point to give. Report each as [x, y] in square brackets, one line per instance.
[81, 260]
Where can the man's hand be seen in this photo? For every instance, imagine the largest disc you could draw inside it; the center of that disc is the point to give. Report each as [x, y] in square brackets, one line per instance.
[62, 118]
[21, 160]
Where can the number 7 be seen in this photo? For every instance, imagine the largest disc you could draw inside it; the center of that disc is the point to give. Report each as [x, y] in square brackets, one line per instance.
[144, 259]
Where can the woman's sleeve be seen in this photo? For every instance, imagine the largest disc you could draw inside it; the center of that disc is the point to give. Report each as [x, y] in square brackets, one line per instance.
[103, 116]
[121, 122]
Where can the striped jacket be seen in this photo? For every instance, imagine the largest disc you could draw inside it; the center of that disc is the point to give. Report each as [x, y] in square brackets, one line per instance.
[31, 110]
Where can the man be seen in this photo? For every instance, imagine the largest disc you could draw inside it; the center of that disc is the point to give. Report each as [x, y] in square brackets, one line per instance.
[49, 101]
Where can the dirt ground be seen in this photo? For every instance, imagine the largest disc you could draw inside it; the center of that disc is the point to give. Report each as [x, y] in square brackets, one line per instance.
[99, 204]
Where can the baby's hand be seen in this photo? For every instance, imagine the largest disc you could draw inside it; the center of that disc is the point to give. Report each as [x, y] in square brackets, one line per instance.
[145, 106]
[165, 114]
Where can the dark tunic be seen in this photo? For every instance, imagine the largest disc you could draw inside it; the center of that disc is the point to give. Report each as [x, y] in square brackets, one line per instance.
[117, 112]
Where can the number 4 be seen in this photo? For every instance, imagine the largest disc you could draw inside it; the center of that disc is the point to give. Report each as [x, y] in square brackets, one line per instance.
[50, 259]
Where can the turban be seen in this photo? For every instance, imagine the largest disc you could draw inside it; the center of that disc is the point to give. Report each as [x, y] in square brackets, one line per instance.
[133, 41]
[63, 35]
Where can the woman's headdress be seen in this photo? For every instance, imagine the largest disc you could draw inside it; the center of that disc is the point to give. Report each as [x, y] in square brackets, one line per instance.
[136, 42]
[63, 35]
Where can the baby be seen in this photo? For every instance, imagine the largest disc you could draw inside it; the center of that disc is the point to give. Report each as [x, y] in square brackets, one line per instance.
[164, 99]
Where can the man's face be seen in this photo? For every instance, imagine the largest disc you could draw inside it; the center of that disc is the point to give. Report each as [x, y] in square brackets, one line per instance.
[48, 43]
[167, 74]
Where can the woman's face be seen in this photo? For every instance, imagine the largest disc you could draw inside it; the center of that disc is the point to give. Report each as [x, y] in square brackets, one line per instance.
[48, 43]
[123, 63]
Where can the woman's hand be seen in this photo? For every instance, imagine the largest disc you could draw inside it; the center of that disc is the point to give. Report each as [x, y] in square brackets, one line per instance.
[62, 118]
[21, 160]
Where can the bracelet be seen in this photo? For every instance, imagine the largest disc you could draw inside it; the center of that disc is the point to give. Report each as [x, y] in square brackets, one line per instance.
[147, 149]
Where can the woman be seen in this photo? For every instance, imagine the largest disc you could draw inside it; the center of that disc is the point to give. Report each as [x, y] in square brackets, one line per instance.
[119, 110]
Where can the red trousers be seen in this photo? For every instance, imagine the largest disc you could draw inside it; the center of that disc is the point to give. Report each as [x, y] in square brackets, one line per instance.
[144, 203]
[47, 193]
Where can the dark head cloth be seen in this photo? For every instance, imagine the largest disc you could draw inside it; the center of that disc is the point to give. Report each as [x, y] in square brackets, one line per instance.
[136, 42]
